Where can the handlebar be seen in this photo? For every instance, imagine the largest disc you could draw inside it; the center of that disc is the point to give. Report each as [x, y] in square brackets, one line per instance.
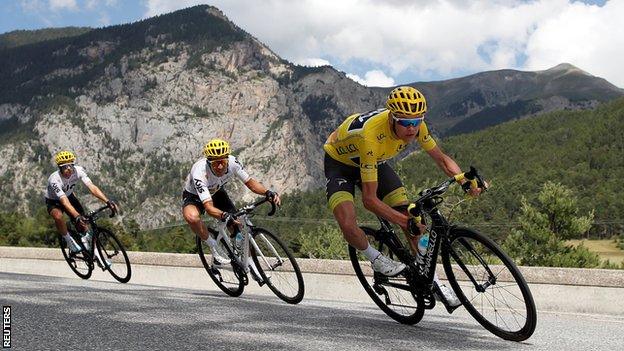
[472, 176]
[93, 214]
[251, 207]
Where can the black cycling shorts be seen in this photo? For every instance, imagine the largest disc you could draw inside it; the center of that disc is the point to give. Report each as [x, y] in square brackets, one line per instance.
[52, 204]
[220, 200]
[342, 179]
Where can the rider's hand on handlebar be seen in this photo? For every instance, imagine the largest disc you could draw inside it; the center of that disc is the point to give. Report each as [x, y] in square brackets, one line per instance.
[472, 191]
[414, 227]
[273, 197]
[113, 206]
[229, 219]
[80, 222]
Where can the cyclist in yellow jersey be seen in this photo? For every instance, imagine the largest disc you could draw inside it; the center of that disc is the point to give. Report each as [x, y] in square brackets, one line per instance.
[356, 155]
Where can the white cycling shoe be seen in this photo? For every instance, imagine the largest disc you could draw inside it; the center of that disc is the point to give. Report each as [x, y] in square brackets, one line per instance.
[447, 295]
[218, 256]
[72, 245]
[386, 266]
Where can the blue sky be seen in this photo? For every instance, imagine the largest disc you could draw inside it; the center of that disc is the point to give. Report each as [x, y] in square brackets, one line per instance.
[448, 38]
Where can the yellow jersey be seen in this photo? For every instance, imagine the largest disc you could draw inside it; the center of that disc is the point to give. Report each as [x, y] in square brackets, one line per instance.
[364, 140]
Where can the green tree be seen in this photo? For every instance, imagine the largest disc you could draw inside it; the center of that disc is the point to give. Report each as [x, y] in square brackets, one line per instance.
[539, 238]
[324, 242]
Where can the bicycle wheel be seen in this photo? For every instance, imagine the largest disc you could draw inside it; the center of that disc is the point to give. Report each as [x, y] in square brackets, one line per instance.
[228, 277]
[489, 285]
[111, 249]
[277, 266]
[392, 294]
[79, 262]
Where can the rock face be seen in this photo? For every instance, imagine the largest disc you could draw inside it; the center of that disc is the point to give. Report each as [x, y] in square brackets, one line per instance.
[137, 102]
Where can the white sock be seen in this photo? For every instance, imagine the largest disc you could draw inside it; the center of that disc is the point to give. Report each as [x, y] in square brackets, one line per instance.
[211, 242]
[436, 279]
[371, 253]
[67, 236]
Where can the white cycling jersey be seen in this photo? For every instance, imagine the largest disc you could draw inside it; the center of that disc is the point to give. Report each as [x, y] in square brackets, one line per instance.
[59, 186]
[202, 182]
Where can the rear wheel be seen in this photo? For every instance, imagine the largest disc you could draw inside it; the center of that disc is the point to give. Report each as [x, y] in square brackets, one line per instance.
[392, 294]
[489, 285]
[79, 262]
[228, 277]
[277, 266]
[112, 251]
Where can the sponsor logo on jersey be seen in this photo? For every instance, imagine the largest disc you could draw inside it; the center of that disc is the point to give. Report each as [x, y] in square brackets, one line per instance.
[198, 185]
[381, 136]
[341, 150]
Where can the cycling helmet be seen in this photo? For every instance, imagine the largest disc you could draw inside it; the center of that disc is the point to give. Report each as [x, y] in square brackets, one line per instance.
[64, 157]
[406, 101]
[216, 148]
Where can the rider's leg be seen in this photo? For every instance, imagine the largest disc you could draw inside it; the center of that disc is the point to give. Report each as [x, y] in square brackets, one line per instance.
[192, 217]
[344, 212]
[57, 215]
[222, 201]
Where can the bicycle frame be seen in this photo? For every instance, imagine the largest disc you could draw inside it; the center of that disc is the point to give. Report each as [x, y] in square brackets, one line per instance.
[248, 240]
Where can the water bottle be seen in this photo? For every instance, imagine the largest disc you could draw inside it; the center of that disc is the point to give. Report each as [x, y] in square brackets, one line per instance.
[86, 239]
[238, 242]
[422, 247]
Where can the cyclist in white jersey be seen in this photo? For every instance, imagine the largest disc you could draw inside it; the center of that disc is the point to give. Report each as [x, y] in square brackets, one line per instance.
[203, 192]
[60, 196]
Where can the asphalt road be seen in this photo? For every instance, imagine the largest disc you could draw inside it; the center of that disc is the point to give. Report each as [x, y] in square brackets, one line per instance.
[50, 313]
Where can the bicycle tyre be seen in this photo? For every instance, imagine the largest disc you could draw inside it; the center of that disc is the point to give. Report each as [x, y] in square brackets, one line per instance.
[234, 284]
[403, 318]
[105, 238]
[465, 239]
[263, 239]
[80, 262]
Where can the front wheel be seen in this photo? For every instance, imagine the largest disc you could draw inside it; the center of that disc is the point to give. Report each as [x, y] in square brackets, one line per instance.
[79, 262]
[489, 285]
[113, 255]
[393, 295]
[277, 266]
[228, 277]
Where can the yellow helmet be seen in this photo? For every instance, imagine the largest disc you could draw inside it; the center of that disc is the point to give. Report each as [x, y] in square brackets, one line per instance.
[406, 101]
[63, 157]
[217, 148]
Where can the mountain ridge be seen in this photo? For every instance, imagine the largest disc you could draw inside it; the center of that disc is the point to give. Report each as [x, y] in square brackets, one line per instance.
[137, 101]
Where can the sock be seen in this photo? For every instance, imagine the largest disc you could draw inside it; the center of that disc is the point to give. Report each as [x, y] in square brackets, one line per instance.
[211, 242]
[67, 237]
[371, 253]
[436, 279]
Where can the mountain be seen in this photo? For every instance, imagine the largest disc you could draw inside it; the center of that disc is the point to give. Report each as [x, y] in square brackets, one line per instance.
[136, 102]
[580, 149]
[25, 37]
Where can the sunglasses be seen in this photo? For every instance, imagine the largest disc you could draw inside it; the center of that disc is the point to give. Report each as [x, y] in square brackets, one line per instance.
[218, 162]
[65, 167]
[408, 122]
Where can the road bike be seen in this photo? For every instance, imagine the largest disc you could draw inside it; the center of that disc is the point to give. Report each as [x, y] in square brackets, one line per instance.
[111, 255]
[485, 279]
[273, 262]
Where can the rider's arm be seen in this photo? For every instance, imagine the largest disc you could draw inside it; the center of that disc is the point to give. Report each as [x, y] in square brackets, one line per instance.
[68, 207]
[368, 172]
[444, 162]
[374, 204]
[256, 186]
[260, 189]
[211, 210]
[449, 167]
[89, 184]
[97, 192]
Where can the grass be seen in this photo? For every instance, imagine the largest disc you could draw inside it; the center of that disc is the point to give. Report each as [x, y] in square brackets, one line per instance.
[606, 248]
